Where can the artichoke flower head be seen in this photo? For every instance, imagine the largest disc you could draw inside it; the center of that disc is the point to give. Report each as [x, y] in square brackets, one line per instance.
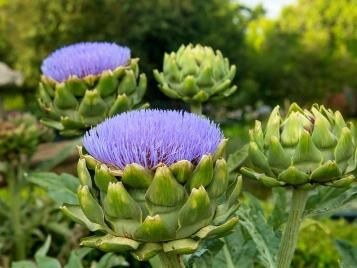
[84, 83]
[196, 74]
[303, 149]
[154, 181]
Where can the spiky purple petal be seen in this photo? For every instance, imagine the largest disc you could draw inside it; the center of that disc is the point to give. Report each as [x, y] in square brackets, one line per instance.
[150, 137]
[82, 59]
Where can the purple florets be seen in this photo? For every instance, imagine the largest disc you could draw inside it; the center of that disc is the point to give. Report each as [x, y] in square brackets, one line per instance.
[150, 137]
[82, 59]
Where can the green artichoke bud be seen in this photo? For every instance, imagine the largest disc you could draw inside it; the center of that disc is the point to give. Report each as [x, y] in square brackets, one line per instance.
[19, 136]
[303, 149]
[141, 196]
[196, 74]
[85, 83]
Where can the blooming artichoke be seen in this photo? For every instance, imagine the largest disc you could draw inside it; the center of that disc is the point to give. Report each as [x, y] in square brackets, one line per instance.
[19, 136]
[86, 82]
[303, 149]
[196, 74]
[154, 181]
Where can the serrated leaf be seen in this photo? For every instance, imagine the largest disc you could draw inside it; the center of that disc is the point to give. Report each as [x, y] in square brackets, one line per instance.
[279, 214]
[110, 260]
[327, 199]
[205, 255]
[348, 254]
[266, 240]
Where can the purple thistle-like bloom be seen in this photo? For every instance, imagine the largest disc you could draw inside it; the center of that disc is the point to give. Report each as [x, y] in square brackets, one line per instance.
[82, 59]
[150, 137]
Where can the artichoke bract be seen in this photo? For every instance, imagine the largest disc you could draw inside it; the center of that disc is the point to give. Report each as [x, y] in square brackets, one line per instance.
[196, 74]
[84, 83]
[154, 181]
[303, 149]
[20, 133]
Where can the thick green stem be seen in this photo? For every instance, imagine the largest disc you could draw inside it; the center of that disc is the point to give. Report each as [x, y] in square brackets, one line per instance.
[15, 214]
[171, 260]
[291, 232]
[196, 108]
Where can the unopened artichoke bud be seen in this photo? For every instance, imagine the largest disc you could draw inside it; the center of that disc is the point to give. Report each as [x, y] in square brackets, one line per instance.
[160, 184]
[196, 74]
[303, 149]
[84, 83]
[20, 134]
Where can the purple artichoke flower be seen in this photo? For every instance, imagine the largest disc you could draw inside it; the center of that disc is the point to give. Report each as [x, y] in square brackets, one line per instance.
[83, 59]
[150, 137]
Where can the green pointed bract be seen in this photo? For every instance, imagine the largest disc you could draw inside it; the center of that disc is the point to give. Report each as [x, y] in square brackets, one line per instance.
[292, 129]
[90, 206]
[164, 189]
[181, 246]
[293, 176]
[277, 157]
[308, 148]
[118, 204]
[327, 172]
[221, 150]
[83, 173]
[102, 178]
[220, 179]
[341, 183]
[306, 155]
[273, 126]
[137, 176]
[195, 213]
[258, 158]
[146, 251]
[76, 214]
[89, 100]
[256, 135]
[92, 105]
[213, 231]
[182, 170]
[345, 148]
[153, 229]
[64, 99]
[196, 74]
[110, 243]
[203, 173]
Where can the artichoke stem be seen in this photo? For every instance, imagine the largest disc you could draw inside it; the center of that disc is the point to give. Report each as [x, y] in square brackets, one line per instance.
[171, 260]
[19, 243]
[196, 108]
[291, 232]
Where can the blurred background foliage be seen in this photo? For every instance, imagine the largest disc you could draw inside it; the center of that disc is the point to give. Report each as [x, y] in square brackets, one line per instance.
[307, 54]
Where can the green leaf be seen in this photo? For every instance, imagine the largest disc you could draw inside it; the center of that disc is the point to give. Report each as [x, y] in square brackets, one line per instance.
[348, 254]
[48, 262]
[279, 214]
[205, 255]
[61, 188]
[237, 159]
[253, 221]
[327, 199]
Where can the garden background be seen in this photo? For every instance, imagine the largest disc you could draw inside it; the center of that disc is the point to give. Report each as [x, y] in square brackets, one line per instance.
[307, 54]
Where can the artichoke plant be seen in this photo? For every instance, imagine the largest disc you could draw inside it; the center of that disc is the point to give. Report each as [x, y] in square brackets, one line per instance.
[19, 136]
[196, 74]
[84, 83]
[154, 182]
[303, 149]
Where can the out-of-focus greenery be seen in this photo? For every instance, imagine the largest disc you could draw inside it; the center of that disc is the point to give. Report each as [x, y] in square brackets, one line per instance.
[307, 54]
[316, 246]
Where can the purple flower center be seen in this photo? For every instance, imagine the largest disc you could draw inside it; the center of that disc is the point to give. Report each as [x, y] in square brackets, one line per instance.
[150, 137]
[82, 59]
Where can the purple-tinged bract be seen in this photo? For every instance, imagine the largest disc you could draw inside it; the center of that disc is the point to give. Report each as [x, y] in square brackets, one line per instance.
[83, 59]
[150, 137]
